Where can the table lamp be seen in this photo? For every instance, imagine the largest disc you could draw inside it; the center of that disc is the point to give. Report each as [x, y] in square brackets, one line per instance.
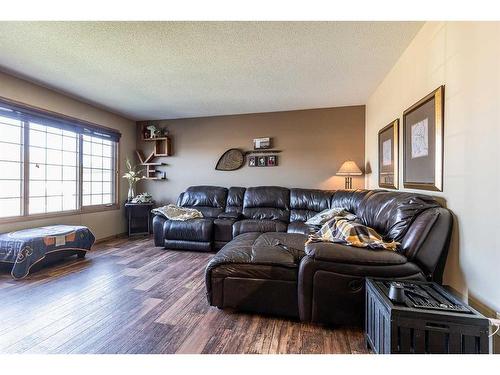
[348, 169]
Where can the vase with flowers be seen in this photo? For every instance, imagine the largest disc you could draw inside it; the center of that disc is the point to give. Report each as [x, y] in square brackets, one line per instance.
[132, 176]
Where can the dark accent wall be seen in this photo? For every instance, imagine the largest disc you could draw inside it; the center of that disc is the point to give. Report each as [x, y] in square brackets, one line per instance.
[314, 144]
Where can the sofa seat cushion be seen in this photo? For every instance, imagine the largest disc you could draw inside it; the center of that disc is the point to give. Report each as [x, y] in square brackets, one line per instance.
[333, 252]
[190, 230]
[262, 226]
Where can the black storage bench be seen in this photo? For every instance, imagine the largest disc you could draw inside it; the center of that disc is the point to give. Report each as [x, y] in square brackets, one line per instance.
[430, 321]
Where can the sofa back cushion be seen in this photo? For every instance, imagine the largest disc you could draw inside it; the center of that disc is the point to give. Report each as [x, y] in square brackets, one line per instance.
[349, 199]
[267, 202]
[391, 213]
[305, 203]
[210, 200]
[235, 197]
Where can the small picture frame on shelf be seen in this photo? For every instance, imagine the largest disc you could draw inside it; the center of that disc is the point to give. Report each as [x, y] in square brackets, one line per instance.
[252, 161]
[262, 161]
[262, 143]
[272, 160]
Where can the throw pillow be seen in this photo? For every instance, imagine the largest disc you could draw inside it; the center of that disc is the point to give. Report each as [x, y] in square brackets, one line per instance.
[348, 231]
[324, 216]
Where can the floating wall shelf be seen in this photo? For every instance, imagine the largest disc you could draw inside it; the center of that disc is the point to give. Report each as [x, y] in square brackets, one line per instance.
[162, 148]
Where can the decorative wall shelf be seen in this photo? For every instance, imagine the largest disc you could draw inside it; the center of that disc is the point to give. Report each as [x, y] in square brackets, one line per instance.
[162, 148]
[162, 145]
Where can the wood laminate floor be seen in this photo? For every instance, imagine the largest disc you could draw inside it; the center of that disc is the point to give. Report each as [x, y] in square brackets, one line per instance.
[128, 296]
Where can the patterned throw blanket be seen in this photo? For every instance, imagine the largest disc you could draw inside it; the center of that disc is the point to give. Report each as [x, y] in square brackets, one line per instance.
[344, 229]
[24, 248]
[173, 212]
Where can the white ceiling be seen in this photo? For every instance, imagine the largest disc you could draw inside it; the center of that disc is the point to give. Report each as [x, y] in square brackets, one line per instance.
[165, 70]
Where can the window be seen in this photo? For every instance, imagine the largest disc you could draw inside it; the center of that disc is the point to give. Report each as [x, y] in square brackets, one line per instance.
[11, 163]
[53, 174]
[98, 171]
[51, 164]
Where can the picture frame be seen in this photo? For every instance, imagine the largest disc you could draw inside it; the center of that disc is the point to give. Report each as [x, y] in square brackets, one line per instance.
[388, 156]
[252, 161]
[272, 160]
[262, 161]
[423, 125]
[262, 143]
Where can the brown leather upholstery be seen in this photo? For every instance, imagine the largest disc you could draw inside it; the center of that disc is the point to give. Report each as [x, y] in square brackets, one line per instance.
[267, 203]
[262, 226]
[253, 272]
[257, 272]
[265, 267]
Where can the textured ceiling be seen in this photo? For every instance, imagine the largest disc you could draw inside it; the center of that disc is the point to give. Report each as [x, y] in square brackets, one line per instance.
[164, 70]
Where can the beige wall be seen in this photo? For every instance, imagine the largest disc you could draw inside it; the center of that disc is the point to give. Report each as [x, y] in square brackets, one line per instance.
[314, 144]
[464, 56]
[103, 224]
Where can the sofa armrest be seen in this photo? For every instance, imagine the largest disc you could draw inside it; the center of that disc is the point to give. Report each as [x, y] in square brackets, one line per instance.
[229, 215]
[338, 253]
[158, 222]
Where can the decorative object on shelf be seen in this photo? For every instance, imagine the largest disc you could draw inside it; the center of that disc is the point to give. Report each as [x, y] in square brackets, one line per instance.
[143, 198]
[272, 160]
[230, 160]
[263, 161]
[154, 132]
[423, 126]
[388, 156]
[132, 176]
[348, 169]
[262, 143]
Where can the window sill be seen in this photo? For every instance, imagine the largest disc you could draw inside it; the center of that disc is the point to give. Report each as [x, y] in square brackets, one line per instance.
[82, 211]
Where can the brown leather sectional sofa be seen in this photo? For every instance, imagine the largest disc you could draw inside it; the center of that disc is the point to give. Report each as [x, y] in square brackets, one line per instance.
[264, 265]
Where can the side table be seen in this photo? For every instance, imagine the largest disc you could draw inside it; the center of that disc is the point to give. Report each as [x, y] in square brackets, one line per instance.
[138, 218]
[431, 320]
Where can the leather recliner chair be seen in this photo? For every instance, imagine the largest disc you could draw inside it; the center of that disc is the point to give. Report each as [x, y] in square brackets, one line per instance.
[194, 234]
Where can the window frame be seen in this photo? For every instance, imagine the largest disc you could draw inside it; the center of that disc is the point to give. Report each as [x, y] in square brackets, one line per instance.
[25, 216]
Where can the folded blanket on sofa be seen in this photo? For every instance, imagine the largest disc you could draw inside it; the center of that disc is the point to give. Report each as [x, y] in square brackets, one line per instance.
[345, 229]
[173, 212]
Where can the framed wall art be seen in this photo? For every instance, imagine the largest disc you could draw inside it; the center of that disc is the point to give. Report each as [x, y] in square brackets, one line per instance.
[423, 126]
[252, 161]
[272, 161]
[388, 156]
[262, 143]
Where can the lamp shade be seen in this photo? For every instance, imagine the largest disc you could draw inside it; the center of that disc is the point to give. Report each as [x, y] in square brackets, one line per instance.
[349, 168]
